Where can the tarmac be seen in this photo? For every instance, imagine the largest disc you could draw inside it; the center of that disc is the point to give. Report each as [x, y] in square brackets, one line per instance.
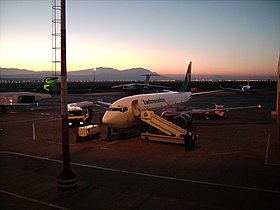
[237, 165]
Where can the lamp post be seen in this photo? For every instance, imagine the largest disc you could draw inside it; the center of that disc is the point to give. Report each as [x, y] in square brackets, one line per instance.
[66, 179]
[94, 70]
[278, 99]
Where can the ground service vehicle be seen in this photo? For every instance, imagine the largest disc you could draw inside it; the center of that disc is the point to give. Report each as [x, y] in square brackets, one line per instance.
[167, 131]
[88, 132]
[215, 112]
[80, 113]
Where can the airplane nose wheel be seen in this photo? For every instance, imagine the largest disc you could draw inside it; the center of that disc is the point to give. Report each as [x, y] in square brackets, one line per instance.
[109, 132]
[122, 135]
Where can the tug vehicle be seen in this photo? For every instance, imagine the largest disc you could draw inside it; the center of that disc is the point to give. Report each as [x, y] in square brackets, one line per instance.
[88, 132]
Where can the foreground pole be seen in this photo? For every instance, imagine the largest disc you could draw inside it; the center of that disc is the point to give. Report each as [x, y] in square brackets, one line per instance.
[66, 179]
[278, 99]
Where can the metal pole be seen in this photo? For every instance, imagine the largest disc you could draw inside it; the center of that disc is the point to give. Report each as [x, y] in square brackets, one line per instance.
[66, 179]
[94, 70]
[278, 99]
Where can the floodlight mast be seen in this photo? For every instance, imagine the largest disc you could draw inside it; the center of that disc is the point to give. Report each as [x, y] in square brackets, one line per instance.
[278, 98]
[94, 71]
[66, 179]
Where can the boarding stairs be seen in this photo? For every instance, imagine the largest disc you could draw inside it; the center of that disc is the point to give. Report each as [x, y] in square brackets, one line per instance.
[173, 133]
[162, 124]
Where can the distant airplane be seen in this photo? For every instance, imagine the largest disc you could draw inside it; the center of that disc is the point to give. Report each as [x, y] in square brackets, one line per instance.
[124, 113]
[27, 98]
[140, 87]
[245, 89]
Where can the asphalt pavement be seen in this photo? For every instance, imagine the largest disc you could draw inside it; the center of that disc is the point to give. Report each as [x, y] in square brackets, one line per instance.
[237, 165]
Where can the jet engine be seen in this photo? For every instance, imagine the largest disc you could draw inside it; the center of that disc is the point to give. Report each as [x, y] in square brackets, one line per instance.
[183, 120]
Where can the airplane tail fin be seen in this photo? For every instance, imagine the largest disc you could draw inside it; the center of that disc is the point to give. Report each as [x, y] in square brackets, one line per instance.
[146, 82]
[47, 86]
[187, 78]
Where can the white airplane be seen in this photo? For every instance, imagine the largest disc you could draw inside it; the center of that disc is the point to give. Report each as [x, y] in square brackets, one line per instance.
[245, 89]
[27, 98]
[121, 114]
[140, 87]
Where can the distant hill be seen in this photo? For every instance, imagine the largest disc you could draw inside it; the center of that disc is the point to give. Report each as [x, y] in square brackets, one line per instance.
[102, 73]
[109, 74]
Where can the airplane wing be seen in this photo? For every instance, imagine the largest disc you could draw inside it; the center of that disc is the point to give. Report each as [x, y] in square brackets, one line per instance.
[119, 86]
[198, 111]
[194, 111]
[4, 105]
[103, 104]
[18, 104]
[232, 89]
[140, 85]
[206, 92]
[158, 86]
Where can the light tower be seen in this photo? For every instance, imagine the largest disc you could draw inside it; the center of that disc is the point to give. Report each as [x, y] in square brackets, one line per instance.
[66, 179]
[94, 71]
[56, 37]
[278, 99]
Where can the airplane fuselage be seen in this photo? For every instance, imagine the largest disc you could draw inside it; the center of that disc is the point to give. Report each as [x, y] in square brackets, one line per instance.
[10, 98]
[246, 88]
[124, 112]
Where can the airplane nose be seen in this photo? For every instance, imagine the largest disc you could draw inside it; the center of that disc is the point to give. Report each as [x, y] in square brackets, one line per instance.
[105, 120]
[108, 120]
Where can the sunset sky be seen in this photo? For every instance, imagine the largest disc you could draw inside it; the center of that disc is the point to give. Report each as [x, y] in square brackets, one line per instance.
[220, 37]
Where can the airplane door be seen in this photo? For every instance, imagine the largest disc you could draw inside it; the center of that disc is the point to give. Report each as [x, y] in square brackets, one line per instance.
[136, 110]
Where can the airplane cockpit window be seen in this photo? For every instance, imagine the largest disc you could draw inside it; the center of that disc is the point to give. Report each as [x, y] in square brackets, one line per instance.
[115, 109]
[118, 109]
[124, 109]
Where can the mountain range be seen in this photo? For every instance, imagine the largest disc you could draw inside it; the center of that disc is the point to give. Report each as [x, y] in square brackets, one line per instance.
[101, 73]
[109, 74]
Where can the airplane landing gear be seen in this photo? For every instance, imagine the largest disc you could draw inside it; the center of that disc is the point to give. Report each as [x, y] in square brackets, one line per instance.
[3, 110]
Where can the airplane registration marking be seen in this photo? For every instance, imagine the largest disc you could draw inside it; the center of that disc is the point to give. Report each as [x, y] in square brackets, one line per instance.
[148, 175]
